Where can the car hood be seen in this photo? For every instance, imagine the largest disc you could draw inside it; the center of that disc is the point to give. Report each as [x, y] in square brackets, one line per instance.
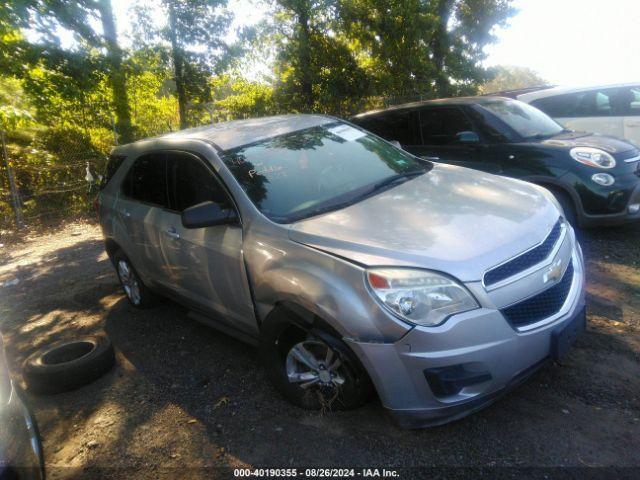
[450, 219]
[610, 145]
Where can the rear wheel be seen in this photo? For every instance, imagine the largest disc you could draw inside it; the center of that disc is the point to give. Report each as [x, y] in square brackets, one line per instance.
[138, 294]
[312, 368]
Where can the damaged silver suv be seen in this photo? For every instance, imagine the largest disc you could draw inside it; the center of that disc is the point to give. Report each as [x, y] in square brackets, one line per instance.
[352, 264]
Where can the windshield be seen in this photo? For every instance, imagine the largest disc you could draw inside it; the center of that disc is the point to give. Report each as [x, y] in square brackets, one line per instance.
[527, 121]
[310, 171]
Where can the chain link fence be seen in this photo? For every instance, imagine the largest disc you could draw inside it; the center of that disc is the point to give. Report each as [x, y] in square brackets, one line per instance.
[54, 178]
[57, 169]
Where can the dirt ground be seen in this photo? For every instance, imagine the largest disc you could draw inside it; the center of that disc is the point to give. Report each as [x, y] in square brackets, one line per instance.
[183, 398]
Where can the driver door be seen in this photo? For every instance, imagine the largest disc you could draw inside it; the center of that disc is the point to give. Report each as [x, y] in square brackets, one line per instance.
[206, 265]
[448, 136]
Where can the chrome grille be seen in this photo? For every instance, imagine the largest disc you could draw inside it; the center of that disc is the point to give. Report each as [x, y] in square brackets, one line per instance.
[542, 305]
[526, 260]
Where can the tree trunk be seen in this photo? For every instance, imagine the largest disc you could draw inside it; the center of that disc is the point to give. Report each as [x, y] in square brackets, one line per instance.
[178, 68]
[440, 46]
[117, 78]
[306, 80]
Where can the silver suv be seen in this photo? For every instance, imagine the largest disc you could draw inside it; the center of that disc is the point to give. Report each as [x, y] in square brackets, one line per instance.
[351, 263]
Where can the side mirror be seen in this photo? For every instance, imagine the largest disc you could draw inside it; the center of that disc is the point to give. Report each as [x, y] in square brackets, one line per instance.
[467, 137]
[208, 214]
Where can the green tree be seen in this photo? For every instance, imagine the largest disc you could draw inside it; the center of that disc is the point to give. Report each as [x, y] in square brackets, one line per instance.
[154, 107]
[422, 47]
[13, 115]
[81, 17]
[509, 77]
[193, 36]
[392, 43]
[15, 111]
[470, 28]
[314, 68]
[236, 97]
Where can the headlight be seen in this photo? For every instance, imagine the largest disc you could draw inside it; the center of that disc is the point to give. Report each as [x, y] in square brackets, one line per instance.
[419, 296]
[594, 157]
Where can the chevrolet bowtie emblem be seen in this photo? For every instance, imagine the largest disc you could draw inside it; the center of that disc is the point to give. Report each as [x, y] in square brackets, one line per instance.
[554, 272]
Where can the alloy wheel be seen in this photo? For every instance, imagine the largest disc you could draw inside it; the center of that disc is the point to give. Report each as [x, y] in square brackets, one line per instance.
[129, 282]
[314, 363]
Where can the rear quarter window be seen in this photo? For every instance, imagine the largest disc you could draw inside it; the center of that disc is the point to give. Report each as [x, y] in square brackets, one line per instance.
[113, 164]
[393, 126]
[146, 180]
[590, 103]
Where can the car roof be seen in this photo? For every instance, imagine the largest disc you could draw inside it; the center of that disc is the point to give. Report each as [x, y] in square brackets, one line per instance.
[236, 133]
[479, 100]
[549, 92]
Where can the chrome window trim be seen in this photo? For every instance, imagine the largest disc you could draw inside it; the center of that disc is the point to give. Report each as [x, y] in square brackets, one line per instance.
[547, 261]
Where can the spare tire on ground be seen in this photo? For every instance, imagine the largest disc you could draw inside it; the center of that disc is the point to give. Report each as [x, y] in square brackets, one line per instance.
[68, 365]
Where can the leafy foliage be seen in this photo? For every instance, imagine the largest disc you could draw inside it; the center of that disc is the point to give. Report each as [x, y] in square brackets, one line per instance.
[239, 98]
[509, 77]
[65, 103]
[192, 39]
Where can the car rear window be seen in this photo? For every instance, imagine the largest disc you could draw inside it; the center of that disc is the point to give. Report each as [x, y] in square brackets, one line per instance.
[113, 164]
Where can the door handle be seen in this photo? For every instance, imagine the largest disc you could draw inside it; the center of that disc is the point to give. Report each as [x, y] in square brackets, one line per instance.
[633, 124]
[430, 158]
[126, 213]
[172, 233]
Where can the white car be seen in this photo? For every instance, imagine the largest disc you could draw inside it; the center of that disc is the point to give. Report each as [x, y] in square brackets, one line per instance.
[607, 109]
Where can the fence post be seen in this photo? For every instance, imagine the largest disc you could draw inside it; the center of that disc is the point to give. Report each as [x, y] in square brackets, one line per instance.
[15, 195]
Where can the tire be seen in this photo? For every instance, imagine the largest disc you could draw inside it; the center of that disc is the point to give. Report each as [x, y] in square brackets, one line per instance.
[138, 294]
[68, 365]
[344, 385]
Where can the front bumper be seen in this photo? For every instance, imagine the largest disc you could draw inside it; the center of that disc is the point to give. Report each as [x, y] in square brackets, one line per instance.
[492, 356]
[610, 206]
[20, 447]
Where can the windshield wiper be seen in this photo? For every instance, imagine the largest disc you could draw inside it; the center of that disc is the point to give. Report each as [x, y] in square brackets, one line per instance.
[396, 179]
[356, 196]
[544, 136]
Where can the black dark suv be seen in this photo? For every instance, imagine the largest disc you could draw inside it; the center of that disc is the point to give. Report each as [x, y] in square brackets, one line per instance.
[595, 178]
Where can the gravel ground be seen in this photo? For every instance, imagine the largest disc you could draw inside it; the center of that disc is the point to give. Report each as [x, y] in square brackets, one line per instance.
[183, 397]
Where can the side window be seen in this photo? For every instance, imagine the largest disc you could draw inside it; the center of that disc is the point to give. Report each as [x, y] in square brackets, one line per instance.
[191, 183]
[491, 128]
[146, 180]
[440, 126]
[113, 164]
[592, 103]
[556, 106]
[625, 101]
[398, 126]
[635, 103]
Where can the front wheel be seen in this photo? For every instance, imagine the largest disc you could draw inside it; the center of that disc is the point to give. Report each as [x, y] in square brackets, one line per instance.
[313, 369]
